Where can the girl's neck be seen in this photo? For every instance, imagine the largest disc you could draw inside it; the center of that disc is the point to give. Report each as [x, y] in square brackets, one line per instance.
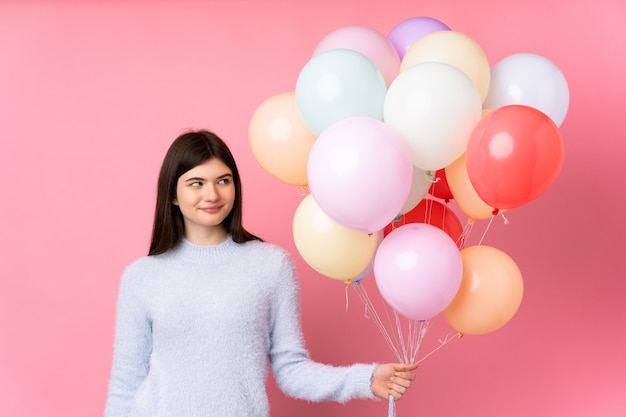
[206, 237]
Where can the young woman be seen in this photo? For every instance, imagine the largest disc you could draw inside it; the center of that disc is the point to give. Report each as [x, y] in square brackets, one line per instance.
[199, 317]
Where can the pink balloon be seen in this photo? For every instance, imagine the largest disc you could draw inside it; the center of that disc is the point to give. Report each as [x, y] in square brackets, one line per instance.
[360, 173]
[404, 35]
[418, 270]
[368, 42]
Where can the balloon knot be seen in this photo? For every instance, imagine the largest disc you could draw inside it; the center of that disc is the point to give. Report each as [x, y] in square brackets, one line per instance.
[470, 221]
[398, 218]
[348, 281]
[460, 335]
[303, 189]
[495, 212]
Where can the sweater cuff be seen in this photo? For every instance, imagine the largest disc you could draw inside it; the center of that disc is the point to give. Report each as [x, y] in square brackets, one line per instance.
[363, 374]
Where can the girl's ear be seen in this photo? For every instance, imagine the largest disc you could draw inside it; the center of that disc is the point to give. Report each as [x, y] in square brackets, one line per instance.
[175, 201]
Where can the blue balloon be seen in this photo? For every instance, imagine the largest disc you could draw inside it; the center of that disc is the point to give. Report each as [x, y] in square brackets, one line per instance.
[339, 84]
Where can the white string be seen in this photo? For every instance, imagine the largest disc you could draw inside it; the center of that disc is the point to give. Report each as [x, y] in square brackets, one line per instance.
[405, 352]
[434, 181]
[420, 333]
[373, 315]
[485, 231]
[442, 343]
[396, 335]
[391, 412]
[405, 349]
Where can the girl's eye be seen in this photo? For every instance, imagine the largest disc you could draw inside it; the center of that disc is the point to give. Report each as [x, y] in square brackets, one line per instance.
[224, 181]
[196, 184]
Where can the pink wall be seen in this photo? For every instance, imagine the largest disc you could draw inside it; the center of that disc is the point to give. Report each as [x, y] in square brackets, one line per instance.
[92, 93]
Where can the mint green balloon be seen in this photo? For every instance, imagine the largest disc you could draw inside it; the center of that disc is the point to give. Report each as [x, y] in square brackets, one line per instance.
[338, 84]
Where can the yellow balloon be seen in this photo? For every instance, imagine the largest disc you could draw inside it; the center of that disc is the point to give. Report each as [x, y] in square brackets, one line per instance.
[490, 293]
[279, 139]
[463, 191]
[453, 48]
[328, 247]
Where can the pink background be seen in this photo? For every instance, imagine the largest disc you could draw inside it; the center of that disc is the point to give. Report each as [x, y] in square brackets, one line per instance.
[93, 92]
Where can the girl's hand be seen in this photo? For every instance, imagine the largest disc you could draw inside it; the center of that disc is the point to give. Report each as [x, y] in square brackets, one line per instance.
[392, 379]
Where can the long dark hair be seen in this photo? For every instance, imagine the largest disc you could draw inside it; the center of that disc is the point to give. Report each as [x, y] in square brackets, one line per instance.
[186, 152]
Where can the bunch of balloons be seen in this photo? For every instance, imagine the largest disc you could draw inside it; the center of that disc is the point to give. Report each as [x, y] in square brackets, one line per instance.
[379, 127]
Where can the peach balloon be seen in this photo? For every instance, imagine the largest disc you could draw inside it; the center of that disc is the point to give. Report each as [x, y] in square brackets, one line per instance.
[453, 48]
[331, 249]
[463, 191]
[490, 293]
[280, 140]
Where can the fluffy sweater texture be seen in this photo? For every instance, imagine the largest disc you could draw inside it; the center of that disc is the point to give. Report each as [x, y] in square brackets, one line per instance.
[195, 329]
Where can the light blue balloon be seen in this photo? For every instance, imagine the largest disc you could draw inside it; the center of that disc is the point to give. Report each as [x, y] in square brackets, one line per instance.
[338, 84]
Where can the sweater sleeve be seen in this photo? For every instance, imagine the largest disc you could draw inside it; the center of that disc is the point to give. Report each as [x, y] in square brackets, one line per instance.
[131, 349]
[295, 373]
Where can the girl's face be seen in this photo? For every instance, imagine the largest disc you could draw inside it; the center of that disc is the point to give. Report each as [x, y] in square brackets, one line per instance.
[205, 195]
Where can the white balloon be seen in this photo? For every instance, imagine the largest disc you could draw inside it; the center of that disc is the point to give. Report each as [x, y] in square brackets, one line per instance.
[422, 180]
[435, 107]
[531, 80]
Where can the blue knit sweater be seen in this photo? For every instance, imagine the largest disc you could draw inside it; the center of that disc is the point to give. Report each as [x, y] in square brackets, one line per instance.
[196, 326]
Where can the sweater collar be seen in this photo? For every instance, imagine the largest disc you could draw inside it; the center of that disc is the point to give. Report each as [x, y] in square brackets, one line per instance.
[202, 253]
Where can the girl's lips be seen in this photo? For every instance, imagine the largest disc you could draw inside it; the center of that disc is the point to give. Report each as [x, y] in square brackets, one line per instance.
[213, 209]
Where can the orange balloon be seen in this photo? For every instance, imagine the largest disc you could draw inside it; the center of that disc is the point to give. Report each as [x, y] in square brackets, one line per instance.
[280, 140]
[490, 293]
[463, 191]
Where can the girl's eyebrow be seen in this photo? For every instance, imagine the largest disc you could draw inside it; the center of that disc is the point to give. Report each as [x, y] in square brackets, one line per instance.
[193, 179]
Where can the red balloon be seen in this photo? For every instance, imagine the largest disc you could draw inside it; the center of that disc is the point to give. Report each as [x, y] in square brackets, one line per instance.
[513, 156]
[434, 213]
[440, 188]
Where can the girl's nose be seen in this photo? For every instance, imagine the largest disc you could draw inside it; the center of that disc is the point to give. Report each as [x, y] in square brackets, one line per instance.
[209, 193]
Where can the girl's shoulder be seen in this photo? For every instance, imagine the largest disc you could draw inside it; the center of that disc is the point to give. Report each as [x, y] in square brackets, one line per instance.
[266, 249]
[144, 265]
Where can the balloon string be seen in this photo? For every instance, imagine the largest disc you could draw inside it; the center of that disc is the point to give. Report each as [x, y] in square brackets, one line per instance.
[405, 349]
[370, 312]
[391, 412]
[467, 229]
[418, 336]
[427, 210]
[470, 261]
[442, 343]
[397, 339]
[485, 231]
[347, 300]
[373, 314]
